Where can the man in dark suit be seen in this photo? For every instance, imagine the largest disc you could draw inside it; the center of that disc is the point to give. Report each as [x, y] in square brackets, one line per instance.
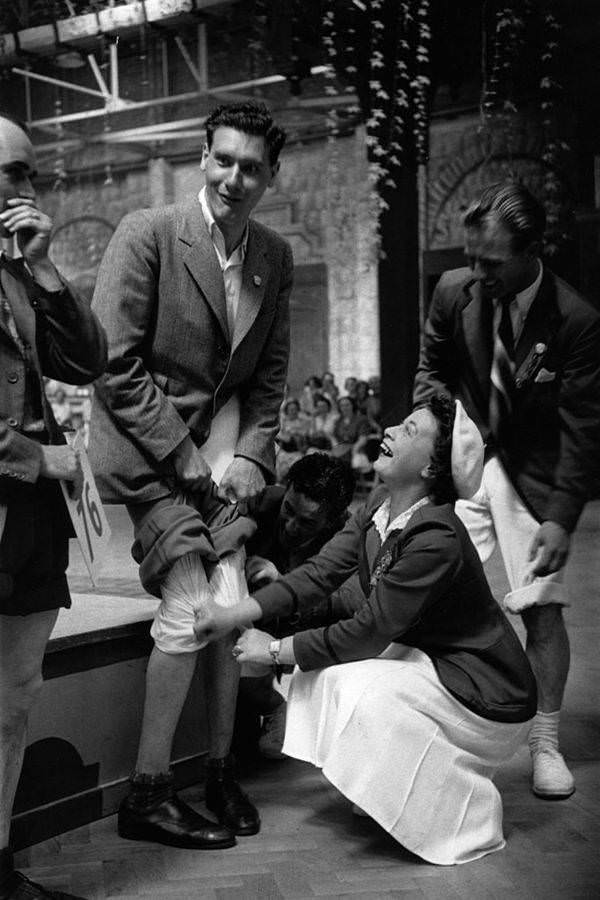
[45, 330]
[194, 298]
[522, 350]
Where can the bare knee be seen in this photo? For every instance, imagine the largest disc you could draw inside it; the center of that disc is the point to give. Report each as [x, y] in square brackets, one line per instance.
[17, 695]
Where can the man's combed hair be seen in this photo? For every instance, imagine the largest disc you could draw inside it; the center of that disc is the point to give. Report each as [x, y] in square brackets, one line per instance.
[441, 488]
[515, 207]
[251, 118]
[326, 480]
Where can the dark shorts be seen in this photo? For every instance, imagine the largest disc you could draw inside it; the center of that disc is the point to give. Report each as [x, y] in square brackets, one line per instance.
[34, 549]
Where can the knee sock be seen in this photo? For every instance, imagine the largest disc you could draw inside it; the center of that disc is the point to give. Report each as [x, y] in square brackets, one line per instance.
[544, 731]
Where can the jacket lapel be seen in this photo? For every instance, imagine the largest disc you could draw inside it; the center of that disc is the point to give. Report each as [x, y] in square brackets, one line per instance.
[22, 312]
[254, 279]
[476, 318]
[201, 261]
[541, 322]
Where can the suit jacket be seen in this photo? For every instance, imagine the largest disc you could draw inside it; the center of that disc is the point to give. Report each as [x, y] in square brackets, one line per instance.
[172, 364]
[424, 587]
[552, 450]
[61, 339]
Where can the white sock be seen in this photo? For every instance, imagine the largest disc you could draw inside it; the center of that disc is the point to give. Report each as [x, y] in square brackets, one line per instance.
[544, 731]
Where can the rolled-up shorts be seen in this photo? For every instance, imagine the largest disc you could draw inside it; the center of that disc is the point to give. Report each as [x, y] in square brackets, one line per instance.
[34, 548]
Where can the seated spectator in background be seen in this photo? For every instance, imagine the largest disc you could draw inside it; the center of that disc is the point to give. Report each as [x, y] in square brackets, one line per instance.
[61, 406]
[374, 403]
[294, 522]
[411, 694]
[361, 397]
[293, 423]
[324, 417]
[350, 386]
[349, 427]
[311, 387]
[329, 388]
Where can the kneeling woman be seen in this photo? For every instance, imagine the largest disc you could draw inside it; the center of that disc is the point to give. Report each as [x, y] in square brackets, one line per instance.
[412, 690]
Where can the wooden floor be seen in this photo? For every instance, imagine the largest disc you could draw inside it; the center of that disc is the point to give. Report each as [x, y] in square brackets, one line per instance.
[311, 845]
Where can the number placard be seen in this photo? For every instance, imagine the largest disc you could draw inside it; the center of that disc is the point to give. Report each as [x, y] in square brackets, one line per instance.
[88, 516]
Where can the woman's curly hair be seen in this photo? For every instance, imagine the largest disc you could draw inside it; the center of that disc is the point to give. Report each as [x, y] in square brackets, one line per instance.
[441, 486]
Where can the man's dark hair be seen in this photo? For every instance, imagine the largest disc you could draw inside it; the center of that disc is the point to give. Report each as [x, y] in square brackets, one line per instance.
[441, 486]
[515, 207]
[325, 479]
[15, 121]
[251, 118]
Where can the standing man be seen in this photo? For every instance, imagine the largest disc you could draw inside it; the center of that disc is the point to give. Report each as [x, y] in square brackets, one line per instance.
[521, 349]
[45, 330]
[194, 298]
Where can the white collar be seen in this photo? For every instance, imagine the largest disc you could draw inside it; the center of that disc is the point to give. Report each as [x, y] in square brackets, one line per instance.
[215, 232]
[526, 297]
[382, 515]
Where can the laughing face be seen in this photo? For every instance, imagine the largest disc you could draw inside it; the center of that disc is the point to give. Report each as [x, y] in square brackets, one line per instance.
[495, 265]
[238, 172]
[406, 449]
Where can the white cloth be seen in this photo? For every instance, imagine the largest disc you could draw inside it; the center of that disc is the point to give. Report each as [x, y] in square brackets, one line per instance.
[394, 741]
[231, 266]
[520, 306]
[184, 591]
[381, 517]
[496, 514]
[219, 448]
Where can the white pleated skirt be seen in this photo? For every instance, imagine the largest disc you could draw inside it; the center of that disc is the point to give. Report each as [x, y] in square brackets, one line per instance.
[395, 742]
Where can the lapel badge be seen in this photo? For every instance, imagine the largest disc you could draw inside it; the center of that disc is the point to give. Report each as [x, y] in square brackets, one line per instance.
[257, 280]
[540, 348]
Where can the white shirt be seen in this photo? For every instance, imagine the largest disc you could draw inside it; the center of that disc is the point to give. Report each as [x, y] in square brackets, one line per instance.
[231, 267]
[381, 517]
[520, 306]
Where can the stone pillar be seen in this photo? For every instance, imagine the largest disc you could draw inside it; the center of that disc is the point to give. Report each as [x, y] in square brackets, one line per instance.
[160, 182]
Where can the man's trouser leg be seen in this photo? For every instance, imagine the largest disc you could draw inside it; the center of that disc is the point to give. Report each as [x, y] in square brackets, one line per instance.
[539, 601]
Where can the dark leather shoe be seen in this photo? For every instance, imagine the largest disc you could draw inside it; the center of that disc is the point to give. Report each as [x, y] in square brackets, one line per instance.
[226, 799]
[18, 887]
[172, 822]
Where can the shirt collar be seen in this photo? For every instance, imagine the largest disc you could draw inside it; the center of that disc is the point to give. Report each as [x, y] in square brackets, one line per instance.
[382, 515]
[239, 253]
[525, 298]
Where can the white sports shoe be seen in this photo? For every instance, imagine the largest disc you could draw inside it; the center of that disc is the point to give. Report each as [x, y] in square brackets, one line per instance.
[551, 777]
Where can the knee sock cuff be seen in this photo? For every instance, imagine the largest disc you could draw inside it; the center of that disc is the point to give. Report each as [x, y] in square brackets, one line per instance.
[544, 730]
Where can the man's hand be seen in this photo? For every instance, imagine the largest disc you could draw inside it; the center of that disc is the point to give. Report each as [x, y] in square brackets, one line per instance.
[253, 647]
[191, 469]
[549, 549]
[32, 228]
[243, 479]
[62, 463]
[260, 570]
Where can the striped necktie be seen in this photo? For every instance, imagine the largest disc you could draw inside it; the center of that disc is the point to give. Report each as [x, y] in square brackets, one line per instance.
[502, 373]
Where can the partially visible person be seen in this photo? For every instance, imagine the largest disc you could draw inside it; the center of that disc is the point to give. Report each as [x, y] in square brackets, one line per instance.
[522, 349]
[61, 406]
[350, 386]
[361, 397]
[412, 692]
[329, 388]
[312, 386]
[374, 404]
[349, 427]
[195, 298]
[324, 417]
[46, 330]
[293, 424]
[294, 522]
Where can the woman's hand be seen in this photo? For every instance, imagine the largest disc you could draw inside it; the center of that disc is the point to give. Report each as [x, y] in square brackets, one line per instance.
[213, 622]
[253, 647]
